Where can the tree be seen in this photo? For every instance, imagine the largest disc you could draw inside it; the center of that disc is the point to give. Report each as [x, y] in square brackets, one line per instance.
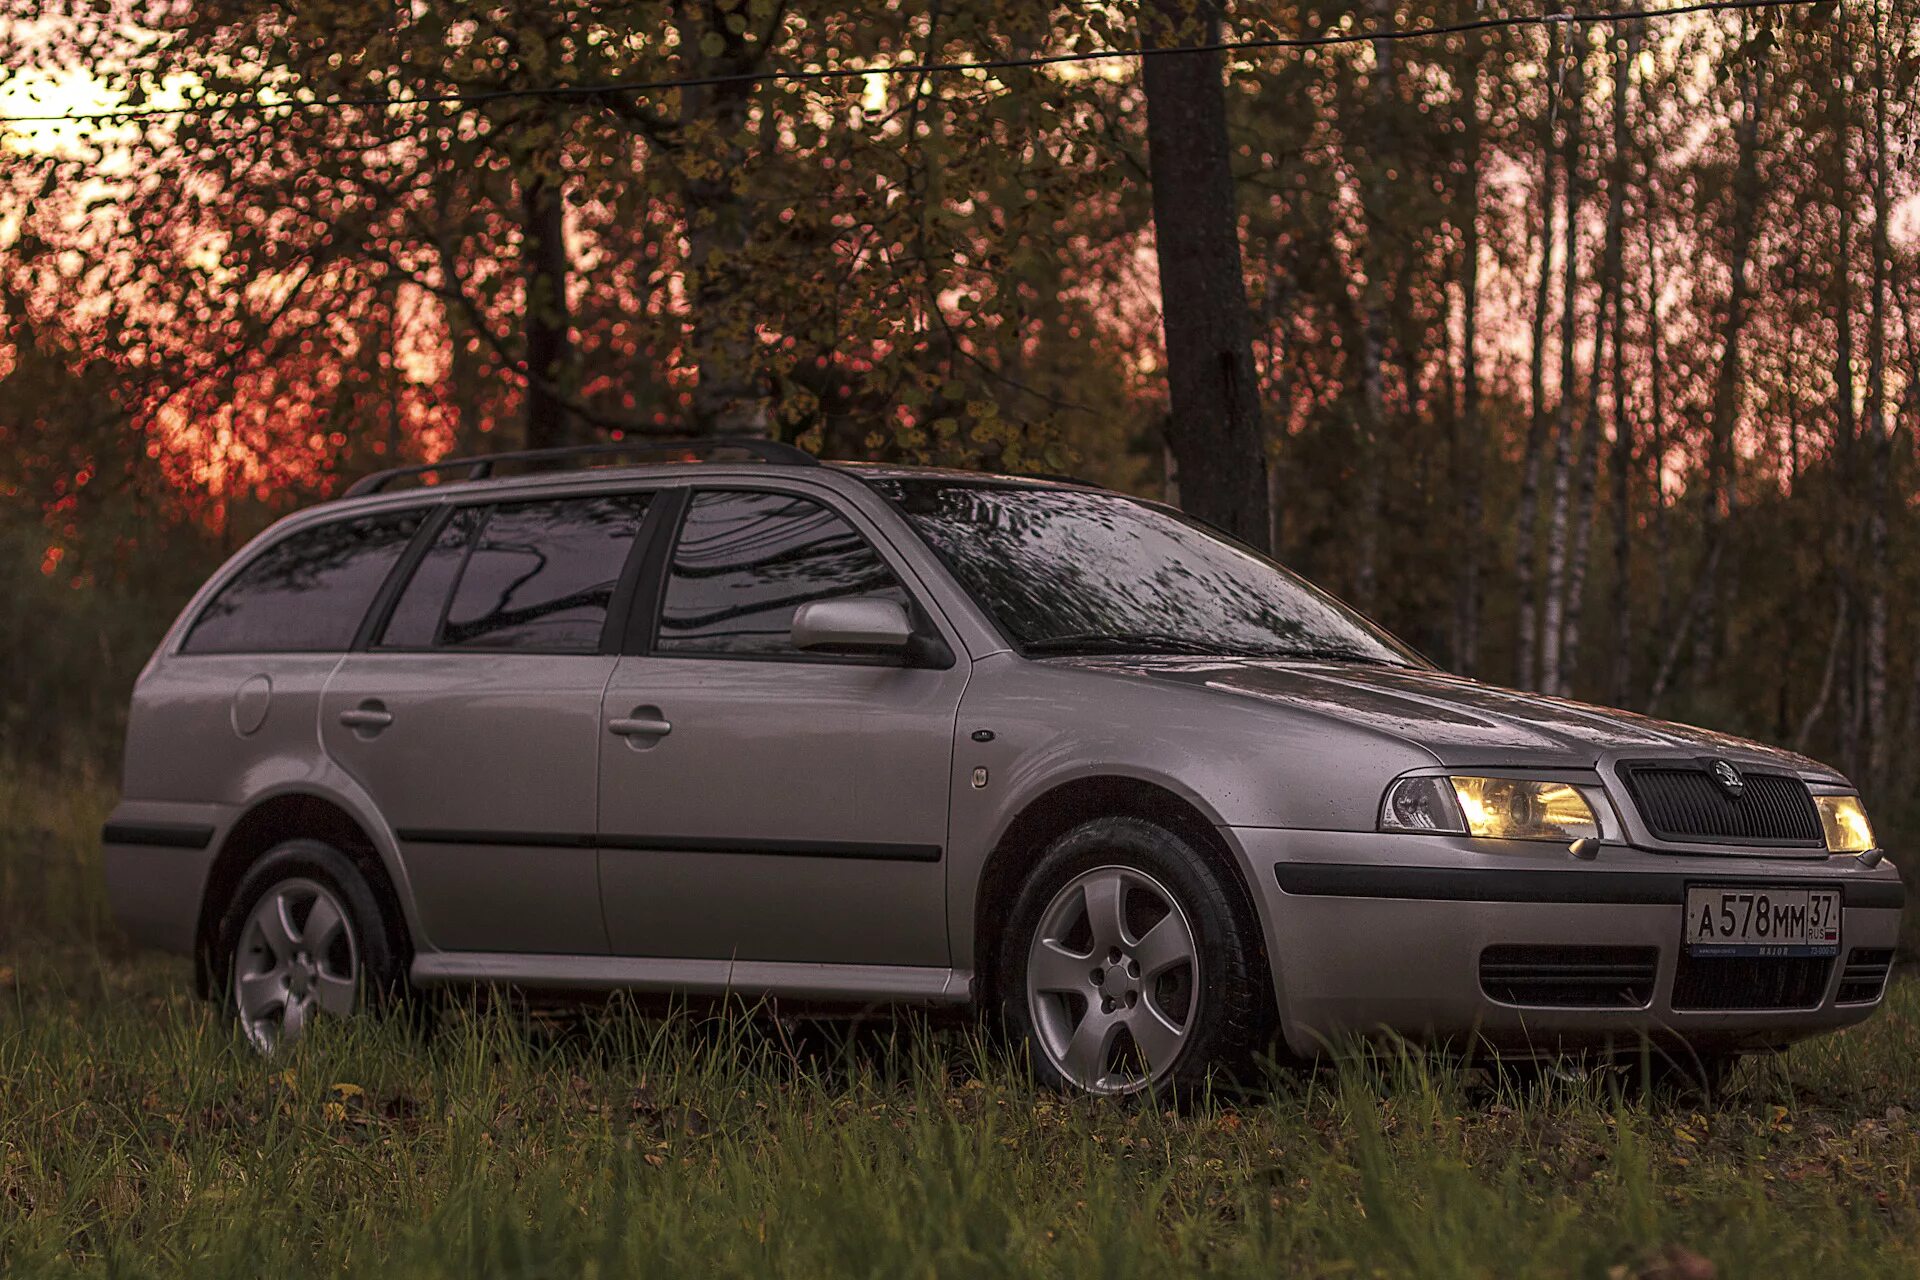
[1215, 429]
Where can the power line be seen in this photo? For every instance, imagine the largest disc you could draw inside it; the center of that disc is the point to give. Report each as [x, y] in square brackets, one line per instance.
[614, 87]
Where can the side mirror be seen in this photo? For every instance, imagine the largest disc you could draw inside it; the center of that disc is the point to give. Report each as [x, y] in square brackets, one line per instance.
[865, 624]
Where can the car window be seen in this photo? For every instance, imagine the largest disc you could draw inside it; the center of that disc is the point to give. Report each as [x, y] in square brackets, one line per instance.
[536, 576]
[1070, 571]
[415, 621]
[308, 592]
[745, 562]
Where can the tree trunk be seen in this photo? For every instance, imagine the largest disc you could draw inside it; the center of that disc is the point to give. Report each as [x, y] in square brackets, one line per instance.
[1621, 679]
[1825, 695]
[1553, 607]
[1912, 734]
[1278, 305]
[1658, 428]
[1215, 431]
[549, 422]
[1469, 456]
[1527, 515]
[1606, 325]
[1879, 438]
[1373, 313]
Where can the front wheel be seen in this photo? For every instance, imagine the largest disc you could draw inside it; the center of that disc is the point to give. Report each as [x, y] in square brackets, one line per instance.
[1128, 965]
[304, 938]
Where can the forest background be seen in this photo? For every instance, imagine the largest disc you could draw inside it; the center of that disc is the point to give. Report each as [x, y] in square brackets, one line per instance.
[1582, 354]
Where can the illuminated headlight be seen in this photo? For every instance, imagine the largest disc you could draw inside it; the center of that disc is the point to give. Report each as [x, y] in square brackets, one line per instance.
[1844, 819]
[1497, 808]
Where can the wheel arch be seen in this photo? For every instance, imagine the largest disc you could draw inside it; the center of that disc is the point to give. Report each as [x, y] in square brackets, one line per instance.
[269, 822]
[1065, 806]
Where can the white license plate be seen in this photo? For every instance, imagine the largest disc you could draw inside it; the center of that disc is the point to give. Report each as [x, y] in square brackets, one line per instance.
[1753, 920]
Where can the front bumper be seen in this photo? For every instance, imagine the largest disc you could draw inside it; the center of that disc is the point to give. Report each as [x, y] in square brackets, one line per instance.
[1372, 933]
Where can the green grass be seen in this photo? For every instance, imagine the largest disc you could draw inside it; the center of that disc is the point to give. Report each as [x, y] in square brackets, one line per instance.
[137, 1139]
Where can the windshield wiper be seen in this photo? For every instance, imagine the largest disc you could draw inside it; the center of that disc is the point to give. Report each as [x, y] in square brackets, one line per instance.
[1107, 642]
[1336, 655]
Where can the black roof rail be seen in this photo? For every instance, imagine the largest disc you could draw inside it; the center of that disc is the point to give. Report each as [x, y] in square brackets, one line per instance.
[480, 466]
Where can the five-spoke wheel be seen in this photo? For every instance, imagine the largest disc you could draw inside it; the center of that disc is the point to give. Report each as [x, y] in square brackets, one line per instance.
[1110, 979]
[303, 935]
[296, 957]
[1130, 962]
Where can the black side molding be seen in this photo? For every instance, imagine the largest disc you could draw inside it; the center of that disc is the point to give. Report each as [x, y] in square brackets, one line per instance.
[158, 835]
[871, 851]
[535, 839]
[1572, 885]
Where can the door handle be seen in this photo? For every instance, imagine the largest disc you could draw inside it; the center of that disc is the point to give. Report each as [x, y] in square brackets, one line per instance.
[640, 727]
[370, 716]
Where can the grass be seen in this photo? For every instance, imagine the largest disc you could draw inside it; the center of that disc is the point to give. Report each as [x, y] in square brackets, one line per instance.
[137, 1139]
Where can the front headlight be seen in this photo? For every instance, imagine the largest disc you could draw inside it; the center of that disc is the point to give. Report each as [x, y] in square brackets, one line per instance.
[1844, 819]
[1497, 808]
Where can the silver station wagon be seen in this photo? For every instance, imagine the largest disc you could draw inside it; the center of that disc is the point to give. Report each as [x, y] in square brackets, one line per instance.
[842, 735]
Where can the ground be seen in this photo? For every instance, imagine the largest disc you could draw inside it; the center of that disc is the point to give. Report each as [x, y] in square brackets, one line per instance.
[137, 1137]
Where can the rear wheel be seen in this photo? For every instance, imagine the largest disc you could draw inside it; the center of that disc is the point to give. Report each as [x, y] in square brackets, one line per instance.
[1128, 965]
[304, 938]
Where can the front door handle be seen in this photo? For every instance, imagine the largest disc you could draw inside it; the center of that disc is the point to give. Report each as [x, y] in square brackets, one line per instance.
[642, 722]
[368, 717]
[638, 726]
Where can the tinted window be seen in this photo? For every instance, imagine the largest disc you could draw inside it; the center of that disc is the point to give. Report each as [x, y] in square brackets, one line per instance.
[746, 561]
[540, 575]
[1068, 571]
[306, 593]
[415, 621]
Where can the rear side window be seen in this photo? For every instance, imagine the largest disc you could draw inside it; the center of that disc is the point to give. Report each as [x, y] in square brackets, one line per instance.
[532, 577]
[307, 593]
[746, 561]
[415, 622]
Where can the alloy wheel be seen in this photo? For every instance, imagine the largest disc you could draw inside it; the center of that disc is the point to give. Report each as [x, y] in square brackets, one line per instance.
[1113, 980]
[296, 957]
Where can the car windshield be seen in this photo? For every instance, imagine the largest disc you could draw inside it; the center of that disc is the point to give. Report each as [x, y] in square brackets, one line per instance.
[1071, 571]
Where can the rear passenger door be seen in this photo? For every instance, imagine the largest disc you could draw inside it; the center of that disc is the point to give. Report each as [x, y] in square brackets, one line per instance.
[779, 805]
[472, 715]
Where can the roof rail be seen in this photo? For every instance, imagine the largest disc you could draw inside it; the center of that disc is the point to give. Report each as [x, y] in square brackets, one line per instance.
[480, 466]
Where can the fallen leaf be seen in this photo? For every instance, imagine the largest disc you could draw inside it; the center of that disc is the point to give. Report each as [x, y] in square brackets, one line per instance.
[1674, 1262]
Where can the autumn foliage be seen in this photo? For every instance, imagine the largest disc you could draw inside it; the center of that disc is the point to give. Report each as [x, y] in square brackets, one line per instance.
[1586, 355]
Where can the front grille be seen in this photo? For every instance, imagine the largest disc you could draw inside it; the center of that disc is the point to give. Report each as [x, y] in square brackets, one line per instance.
[1683, 803]
[1703, 983]
[1865, 976]
[1569, 977]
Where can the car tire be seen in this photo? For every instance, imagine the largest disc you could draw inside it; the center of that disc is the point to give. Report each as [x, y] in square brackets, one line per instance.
[1130, 964]
[303, 936]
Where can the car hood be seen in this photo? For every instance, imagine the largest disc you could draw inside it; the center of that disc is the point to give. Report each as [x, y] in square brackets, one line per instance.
[1461, 721]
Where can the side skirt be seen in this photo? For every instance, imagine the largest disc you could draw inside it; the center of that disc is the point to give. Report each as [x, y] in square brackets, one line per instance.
[783, 979]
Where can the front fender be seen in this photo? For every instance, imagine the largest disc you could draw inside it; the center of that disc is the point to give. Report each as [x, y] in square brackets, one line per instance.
[1027, 728]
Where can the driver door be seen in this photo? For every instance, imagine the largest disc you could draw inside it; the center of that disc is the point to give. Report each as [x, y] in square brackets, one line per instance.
[757, 802]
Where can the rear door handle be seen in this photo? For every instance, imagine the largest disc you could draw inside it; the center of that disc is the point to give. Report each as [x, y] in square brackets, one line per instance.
[369, 715]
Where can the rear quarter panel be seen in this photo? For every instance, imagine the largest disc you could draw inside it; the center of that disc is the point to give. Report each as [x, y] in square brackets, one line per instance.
[200, 750]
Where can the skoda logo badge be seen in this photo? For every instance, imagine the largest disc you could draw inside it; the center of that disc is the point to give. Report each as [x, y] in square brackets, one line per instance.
[1728, 777]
